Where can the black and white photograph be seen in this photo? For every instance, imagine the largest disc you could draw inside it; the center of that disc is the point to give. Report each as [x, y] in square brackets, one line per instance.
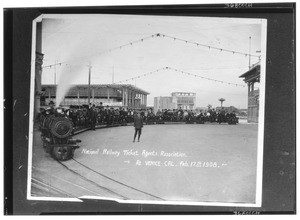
[147, 109]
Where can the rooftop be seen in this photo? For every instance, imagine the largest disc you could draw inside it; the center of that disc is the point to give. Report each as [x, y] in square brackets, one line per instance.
[253, 71]
[117, 86]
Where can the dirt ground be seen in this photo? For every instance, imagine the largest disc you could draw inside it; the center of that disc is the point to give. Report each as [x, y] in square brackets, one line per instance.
[174, 162]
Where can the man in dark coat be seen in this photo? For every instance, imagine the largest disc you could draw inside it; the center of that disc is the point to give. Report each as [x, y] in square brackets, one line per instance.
[93, 117]
[138, 124]
[52, 109]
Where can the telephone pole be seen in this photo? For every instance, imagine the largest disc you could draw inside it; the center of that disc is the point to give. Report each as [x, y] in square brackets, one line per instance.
[113, 74]
[55, 72]
[249, 52]
[89, 82]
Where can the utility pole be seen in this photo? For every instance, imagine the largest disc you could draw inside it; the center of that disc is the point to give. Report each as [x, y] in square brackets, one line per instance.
[89, 89]
[55, 72]
[258, 51]
[113, 73]
[249, 52]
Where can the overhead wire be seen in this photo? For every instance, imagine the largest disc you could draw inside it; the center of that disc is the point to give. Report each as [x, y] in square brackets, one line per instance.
[179, 71]
[158, 35]
[104, 51]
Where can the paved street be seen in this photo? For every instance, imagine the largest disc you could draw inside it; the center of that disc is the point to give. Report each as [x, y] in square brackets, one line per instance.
[174, 162]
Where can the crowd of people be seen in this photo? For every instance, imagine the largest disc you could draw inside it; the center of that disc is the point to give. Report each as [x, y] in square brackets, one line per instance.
[92, 115]
[191, 116]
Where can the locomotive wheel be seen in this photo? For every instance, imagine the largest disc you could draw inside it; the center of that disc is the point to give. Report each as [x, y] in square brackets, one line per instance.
[62, 153]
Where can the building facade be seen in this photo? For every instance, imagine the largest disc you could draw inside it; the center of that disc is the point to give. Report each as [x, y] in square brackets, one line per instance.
[164, 102]
[177, 100]
[184, 100]
[109, 94]
[251, 77]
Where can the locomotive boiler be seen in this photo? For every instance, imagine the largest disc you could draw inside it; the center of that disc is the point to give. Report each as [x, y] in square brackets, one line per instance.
[56, 133]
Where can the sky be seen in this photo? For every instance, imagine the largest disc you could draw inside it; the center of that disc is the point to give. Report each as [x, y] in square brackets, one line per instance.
[78, 41]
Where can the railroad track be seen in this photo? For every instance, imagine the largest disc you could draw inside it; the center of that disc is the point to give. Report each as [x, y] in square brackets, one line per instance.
[117, 182]
[92, 182]
[68, 188]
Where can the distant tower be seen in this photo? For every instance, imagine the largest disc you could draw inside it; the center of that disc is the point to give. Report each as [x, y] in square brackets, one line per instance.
[221, 100]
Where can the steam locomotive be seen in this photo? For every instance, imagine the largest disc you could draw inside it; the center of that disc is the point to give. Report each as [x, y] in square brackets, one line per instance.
[56, 130]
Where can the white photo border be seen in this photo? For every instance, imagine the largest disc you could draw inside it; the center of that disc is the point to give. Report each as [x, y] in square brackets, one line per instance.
[260, 144]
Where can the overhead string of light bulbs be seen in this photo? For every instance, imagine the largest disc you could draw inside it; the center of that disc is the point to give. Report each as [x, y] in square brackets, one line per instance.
[154, 36]
[208, 46]
[182, 72]
[142, 75]
[105, 51]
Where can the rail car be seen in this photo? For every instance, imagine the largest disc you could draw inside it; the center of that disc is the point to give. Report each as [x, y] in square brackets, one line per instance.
[56, 133]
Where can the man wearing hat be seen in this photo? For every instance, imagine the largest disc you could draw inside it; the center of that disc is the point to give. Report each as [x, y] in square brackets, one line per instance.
[51, 107]
[138, 124]
[92, 114]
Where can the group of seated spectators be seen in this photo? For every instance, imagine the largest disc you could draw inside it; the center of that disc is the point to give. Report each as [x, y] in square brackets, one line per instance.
[81, 116]
[120, 115]
[191, 116]
[86, 116]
